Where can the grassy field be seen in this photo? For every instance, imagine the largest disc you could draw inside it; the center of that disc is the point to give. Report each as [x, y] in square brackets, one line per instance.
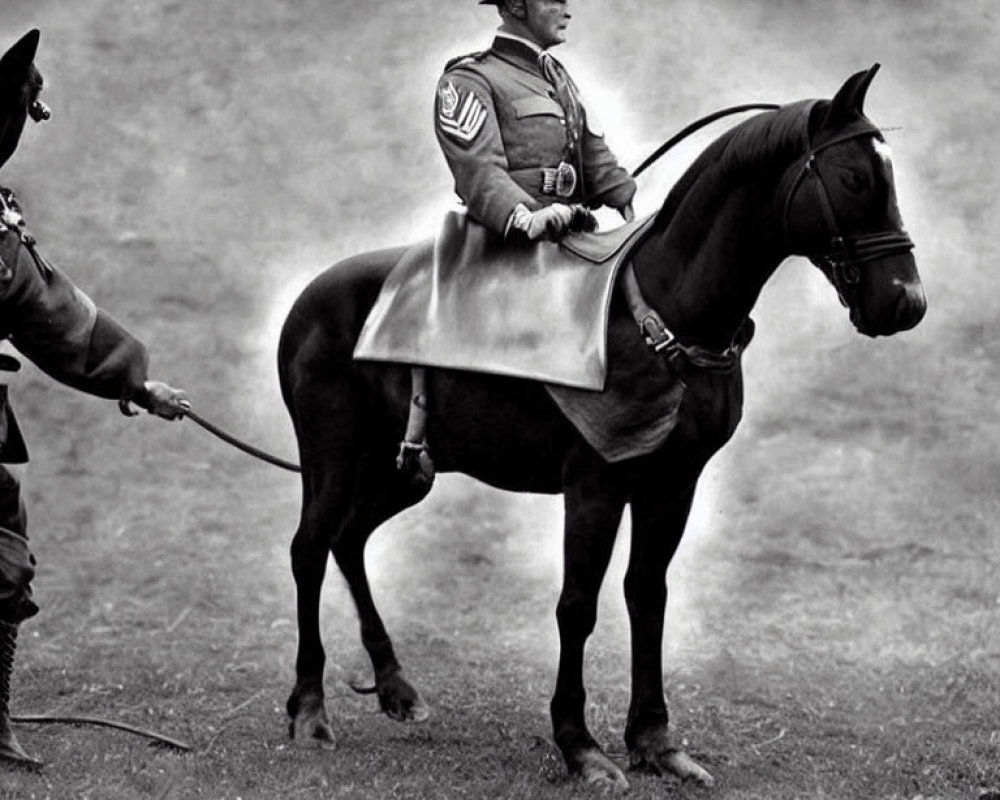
[834, 611]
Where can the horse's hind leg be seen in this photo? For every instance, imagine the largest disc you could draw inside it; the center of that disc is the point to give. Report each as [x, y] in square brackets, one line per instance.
[310, 552]
[327, 426]
[382, 492]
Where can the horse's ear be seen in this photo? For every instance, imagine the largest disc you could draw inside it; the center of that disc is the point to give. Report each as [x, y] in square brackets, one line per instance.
[16, 62]
[849, 102]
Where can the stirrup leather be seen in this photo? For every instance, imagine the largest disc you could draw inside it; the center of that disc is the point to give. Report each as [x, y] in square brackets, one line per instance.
[414, 457]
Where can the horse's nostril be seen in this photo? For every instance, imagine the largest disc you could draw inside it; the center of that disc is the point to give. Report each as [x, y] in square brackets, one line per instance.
[910, 308]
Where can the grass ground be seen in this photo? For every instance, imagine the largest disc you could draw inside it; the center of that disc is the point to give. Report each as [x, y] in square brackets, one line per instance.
[834, 607]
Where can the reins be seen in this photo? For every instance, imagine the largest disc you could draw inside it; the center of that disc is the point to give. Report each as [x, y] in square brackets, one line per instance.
[653, 329]
[696, 126]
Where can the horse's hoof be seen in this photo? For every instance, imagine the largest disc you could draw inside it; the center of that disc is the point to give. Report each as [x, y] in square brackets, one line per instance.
[311, 732]
[596, 769]
[673, 762]
[414, 712]
[400, 701]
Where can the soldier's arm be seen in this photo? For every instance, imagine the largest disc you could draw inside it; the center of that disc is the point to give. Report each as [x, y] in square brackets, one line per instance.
[467, 129]
[608, 184]
[59, 328]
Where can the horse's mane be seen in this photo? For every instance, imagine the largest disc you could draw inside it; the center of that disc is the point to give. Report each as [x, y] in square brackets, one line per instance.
[772, 136]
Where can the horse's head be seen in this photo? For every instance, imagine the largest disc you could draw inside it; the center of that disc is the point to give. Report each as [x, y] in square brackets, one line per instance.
[20, 85]
[840, 211]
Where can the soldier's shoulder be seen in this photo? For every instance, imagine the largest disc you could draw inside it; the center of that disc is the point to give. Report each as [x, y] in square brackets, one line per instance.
[468, 60]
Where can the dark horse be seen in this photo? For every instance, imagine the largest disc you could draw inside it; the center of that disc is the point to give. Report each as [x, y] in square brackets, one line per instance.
[812, 178]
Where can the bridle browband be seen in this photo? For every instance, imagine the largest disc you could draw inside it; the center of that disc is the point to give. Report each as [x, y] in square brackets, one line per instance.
[846, 253]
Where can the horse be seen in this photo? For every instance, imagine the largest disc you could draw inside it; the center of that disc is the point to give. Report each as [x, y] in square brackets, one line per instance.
[812, 178]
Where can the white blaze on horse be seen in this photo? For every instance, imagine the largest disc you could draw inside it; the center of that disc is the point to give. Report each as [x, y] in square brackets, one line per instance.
[809, 179]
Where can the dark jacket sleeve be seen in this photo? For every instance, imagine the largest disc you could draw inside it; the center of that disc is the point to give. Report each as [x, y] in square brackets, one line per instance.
[607, 183]
[466, 124]
[60, 329]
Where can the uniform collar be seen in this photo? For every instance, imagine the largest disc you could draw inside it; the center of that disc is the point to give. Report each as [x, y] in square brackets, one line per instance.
[518, 51]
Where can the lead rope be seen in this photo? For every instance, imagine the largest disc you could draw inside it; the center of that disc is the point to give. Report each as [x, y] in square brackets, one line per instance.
[249, 449]
[8, 645]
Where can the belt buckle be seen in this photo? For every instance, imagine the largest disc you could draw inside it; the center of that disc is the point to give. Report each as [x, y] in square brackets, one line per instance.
[560, 181]
[565, 180]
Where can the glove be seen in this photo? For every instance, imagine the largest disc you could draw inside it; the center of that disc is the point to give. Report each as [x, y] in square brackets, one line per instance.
[583, 220]
[165, 401]
[159, 399]
[551, 222]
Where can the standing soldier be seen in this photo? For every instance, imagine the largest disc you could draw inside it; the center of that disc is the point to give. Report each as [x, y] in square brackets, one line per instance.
[523, 150]
[59, 328]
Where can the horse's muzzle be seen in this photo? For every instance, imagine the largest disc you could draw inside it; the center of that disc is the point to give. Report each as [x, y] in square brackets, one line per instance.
[901, 314]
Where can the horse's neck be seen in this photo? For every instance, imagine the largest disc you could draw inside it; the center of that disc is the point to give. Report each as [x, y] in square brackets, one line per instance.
[705, 270]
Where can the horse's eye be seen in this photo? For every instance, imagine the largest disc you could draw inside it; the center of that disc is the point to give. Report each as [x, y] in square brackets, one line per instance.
[855, 181]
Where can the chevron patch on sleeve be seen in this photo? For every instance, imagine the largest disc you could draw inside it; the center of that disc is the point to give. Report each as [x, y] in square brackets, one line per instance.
[461, 117]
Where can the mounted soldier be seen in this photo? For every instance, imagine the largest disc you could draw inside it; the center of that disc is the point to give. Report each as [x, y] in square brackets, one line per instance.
[49, 320]
[529, 162]
[525, 154]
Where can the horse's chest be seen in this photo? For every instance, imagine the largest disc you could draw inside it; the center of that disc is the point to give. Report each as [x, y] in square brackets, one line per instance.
[711, 409]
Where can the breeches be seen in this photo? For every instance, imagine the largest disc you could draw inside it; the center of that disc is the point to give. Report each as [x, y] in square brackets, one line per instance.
[17, 564]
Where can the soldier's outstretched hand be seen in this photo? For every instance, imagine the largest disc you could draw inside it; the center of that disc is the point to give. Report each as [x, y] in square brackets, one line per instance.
[165, 401]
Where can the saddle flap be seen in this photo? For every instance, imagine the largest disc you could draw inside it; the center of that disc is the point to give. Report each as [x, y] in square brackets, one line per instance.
[473, 301]
[599, 246]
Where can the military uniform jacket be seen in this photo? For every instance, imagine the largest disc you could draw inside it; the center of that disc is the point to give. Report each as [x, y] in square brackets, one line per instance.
[501, 123]
[53, 323]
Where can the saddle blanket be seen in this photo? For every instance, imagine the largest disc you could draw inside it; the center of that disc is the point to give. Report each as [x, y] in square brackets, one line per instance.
[469, 300]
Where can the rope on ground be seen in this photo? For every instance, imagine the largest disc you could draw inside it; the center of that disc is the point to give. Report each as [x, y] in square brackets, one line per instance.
[41, 719]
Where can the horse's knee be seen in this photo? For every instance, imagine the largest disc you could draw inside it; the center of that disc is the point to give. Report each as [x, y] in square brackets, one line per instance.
[576, 615]
[308, 557]
[640, 593]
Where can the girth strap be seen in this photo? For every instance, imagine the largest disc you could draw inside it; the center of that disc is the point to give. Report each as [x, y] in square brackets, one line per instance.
[660, 340]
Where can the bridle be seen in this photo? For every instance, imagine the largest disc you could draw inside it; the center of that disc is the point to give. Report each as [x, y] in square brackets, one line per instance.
[841, 260]
[847, 253]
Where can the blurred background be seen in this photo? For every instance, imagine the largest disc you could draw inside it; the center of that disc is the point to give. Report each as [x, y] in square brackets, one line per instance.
[205, 160]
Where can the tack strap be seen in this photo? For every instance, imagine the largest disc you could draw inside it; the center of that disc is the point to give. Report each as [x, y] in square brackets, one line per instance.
[662, 341]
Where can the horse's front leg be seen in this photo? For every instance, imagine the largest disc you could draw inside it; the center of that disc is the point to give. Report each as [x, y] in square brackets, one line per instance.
[658, 520]
[594, 506]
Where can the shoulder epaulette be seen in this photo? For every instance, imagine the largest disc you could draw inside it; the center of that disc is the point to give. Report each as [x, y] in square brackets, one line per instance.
[471, 58]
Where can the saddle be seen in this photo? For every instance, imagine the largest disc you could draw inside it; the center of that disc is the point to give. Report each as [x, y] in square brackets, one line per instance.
[470, 300]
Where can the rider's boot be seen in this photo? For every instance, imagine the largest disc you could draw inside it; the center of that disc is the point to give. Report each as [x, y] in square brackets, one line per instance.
[10, 748]
[414, 460]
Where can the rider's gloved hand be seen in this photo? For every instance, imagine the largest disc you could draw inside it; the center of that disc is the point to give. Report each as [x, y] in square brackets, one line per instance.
[583, 220]
[551, 222]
